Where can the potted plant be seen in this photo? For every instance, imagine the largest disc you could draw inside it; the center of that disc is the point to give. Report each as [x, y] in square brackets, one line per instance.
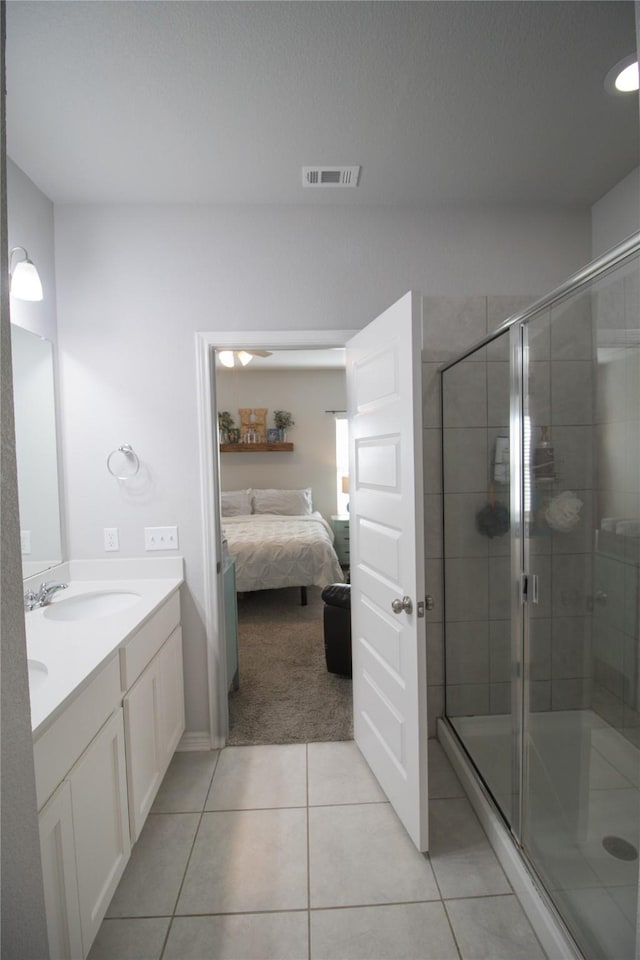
[283, 420]
[225, 425]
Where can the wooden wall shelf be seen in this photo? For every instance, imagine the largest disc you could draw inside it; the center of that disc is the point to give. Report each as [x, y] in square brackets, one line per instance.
[256, 447]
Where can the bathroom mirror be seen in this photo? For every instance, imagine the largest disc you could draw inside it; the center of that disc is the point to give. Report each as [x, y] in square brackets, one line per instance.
[36, 451]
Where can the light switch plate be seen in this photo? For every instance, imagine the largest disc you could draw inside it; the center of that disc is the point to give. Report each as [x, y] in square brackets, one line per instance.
[161, 538]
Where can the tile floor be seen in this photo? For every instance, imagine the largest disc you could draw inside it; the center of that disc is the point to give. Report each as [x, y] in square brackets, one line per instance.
[292, 852]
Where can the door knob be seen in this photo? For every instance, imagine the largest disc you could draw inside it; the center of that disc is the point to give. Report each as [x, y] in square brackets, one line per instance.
[399, 605]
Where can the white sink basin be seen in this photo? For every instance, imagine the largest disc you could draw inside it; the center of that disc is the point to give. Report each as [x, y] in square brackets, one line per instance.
[89, 606]
[37, 673]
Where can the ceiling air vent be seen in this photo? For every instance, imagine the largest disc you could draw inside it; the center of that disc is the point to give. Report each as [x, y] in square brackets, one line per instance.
[330, 176]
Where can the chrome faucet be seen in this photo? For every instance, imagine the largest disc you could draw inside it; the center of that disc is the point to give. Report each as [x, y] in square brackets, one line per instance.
[43, 596]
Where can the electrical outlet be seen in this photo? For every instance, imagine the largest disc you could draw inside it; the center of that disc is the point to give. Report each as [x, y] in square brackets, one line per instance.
[111, 541]
[25, 542]
[161, 538]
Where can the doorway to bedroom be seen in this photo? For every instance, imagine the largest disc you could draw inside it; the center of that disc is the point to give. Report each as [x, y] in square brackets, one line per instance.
[280, 689]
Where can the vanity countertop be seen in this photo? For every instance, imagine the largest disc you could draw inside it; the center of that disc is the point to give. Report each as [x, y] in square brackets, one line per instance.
[73, 650]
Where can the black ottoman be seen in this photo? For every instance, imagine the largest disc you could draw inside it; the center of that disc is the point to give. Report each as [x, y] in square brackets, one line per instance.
[337, 628]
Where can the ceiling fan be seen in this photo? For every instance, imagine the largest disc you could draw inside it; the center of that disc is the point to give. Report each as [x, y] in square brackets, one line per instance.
[229, 358]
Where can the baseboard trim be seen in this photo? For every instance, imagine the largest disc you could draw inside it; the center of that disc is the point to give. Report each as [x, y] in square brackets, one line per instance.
[195, 740]
[550, 932]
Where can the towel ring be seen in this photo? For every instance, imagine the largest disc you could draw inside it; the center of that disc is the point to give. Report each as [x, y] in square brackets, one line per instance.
[131, 461]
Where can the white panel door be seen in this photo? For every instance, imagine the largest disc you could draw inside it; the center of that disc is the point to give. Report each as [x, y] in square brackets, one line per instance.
[387, 558]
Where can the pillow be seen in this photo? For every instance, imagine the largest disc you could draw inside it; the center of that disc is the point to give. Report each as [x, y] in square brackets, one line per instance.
[236, 503]
[288, 503]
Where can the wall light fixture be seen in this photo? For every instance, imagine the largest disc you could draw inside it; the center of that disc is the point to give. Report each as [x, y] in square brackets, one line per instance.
[623, 77]
[24, 279]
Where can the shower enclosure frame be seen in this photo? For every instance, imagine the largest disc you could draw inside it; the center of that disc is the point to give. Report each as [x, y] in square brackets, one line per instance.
[520, 566]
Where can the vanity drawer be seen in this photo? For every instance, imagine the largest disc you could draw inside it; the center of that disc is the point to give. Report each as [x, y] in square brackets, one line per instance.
[56, 751]
[142, 647]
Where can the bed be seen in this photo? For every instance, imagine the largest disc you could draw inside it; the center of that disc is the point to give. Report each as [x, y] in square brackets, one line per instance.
[275, 550]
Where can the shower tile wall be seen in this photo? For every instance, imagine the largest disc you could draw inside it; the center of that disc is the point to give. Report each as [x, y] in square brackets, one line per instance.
[616, 610]
[450, 326]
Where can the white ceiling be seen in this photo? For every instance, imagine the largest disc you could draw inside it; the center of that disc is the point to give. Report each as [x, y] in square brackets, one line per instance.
[224, 102]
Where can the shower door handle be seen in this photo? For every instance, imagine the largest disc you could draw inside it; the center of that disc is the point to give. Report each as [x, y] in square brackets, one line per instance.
[529, 587]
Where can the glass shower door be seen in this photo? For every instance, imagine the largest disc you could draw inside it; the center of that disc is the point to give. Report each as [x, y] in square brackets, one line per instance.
[581, 513]
[481, 685]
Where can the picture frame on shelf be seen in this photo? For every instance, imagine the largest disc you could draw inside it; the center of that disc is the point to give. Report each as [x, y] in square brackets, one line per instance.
[253, 424]
[273, 435]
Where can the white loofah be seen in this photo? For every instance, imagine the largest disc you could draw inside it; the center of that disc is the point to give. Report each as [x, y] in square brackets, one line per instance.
[563, 512]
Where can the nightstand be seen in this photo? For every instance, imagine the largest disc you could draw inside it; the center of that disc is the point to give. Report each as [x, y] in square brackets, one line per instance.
[231, 622]
[340, 526]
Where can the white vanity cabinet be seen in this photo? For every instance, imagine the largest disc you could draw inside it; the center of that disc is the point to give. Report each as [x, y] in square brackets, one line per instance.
[98, 766]
[151, 664]
[84, 830]
[85, 845]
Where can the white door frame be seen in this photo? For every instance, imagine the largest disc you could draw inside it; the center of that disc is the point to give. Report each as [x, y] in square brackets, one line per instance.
[206, 343]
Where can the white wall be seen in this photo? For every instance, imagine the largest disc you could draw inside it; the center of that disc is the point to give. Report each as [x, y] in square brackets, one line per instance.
[306, 394]
[616, 215]
[135, 282]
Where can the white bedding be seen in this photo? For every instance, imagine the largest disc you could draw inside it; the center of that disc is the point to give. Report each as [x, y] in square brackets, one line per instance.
[273, 551]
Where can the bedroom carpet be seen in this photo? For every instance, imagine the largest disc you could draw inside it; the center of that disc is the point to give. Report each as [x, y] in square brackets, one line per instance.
[286, 694]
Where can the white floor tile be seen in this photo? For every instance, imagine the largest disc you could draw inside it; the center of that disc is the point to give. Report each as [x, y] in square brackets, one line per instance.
[186, 782]
[407, 931]
[361, 854]
[372, 895]
[493, 928]
[338, 773]
[250, 778]
[462, 859]
[139, 939]
[266, 936]
[442, 779]
[152, 878]
[247, 861]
